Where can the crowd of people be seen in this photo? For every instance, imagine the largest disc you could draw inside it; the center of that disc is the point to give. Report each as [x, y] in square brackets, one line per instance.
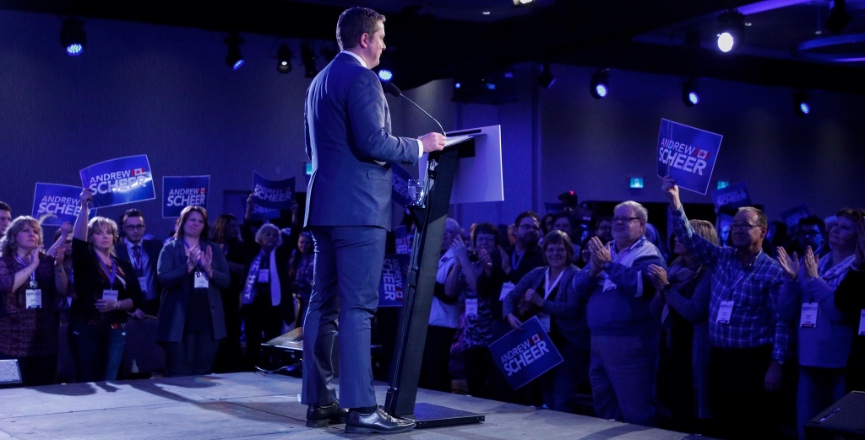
[198, 294]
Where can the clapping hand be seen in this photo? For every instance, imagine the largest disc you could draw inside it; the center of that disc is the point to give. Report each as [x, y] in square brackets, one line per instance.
[790, 265]
[206, 260]
[193, 255]
[810, 263]
[658, 276]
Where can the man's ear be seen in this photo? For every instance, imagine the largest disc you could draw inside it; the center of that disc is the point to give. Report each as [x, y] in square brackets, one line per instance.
[364, 40]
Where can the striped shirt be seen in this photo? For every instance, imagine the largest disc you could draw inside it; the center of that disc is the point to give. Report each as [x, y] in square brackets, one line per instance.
[754, 291]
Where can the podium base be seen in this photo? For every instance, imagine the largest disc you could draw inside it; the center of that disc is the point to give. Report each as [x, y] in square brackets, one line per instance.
[432, 416]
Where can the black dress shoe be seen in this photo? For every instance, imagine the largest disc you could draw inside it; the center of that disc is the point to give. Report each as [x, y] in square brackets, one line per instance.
[321, 416]
[378, 421]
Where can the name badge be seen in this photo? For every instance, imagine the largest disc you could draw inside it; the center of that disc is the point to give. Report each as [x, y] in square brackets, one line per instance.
[471, 306]
[201, 281]
[725, 312]
[506, 290]
[862, 323]
[545, 321]
[33, 298]
[264, 276]
[109, 295]
[809, 315]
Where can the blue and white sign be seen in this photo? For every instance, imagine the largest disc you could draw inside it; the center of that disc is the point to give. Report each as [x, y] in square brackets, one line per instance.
[119, 181]
[54, 204]
[399, 185]
[274, 194]
[179, 192]
[524, 355]
[392, 284]
[687, 154]
[732, 196]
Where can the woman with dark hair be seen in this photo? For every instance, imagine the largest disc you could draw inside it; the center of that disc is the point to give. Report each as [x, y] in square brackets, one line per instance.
[546, 292]
[193, 272]
[682, 302]
[30, 286]
[300, 272]
[106, 288]
[481, 304]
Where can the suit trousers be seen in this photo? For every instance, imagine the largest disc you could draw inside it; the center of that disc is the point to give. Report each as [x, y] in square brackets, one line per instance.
[347, 270]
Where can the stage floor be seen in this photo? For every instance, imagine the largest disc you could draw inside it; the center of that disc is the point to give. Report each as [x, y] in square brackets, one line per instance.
[259, 406]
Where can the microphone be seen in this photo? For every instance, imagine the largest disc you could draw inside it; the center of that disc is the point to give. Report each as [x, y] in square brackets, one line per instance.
[395, 91]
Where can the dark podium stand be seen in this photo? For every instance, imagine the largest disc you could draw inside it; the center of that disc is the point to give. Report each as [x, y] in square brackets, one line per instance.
[420, 284]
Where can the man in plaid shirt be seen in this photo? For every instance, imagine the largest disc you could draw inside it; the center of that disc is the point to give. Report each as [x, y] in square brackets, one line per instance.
[749, 340]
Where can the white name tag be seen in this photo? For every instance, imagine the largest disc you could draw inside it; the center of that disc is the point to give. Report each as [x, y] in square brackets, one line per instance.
[725, 312]
[201, 281]
[33, 298]
[506, 289]
[263, 276]
[809, 315]
[109, 295]
[471, 306]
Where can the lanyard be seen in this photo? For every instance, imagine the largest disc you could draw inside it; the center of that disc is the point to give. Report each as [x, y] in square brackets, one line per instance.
[113, 271]
[515, 262]
[618, 256]
[32, 274]
[548, 288]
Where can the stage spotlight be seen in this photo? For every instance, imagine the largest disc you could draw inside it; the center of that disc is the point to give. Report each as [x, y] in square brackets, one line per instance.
[546, 79]
[522, 2]
[731, 30]
[283, 58]
[307, 55]
[385, 75]
[72, 36]
[690, 93]
[838, 17]
[800, 102]
[599, 86]
[233, 59]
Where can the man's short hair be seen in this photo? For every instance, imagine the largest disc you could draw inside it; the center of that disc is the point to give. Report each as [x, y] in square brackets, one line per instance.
[641, 210]
[525, 214]
[5, 207]
[762, 220]
[131, 212]
[813, 220]
[354, 22]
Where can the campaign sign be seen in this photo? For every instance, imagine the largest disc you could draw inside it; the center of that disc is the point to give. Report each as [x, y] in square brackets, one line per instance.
[119, 181]
[399, 185]
[403, 240]
[54, 204]
[274, 194]
[687, 154]
[733, 196]
[524, 355]
[179, 192]
[392, 285]
[793, 215]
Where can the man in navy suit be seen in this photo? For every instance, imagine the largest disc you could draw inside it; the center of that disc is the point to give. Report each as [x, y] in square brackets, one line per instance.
[348, 211]
[143, 254]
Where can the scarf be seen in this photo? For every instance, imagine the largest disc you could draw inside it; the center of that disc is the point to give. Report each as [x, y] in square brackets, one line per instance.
[251, 278]
[640, 248]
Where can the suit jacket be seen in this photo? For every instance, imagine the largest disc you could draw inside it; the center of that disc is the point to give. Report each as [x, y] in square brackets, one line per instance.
[347, 130]
[151, 248]
[178, 285]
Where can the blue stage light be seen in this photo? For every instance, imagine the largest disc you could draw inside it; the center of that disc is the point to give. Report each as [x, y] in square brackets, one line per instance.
[385, 75]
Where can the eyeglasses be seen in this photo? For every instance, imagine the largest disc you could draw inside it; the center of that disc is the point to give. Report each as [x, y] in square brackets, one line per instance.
[742, 226]
[134, 227]
[624, 219]
[530, 227]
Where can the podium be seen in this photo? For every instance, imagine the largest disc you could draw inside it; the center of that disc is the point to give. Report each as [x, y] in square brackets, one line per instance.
[441, 171]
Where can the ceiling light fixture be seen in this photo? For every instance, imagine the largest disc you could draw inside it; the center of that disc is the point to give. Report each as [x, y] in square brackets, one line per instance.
[599, 86]
[690, 93]
[800, 102]
[72, 36]
[522, 2]
[731, 29]
[233, 59]
[546, 79]
[283, 58]
[838, 17]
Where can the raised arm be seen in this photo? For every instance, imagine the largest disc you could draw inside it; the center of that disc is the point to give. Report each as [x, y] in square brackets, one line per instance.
[79, 231]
